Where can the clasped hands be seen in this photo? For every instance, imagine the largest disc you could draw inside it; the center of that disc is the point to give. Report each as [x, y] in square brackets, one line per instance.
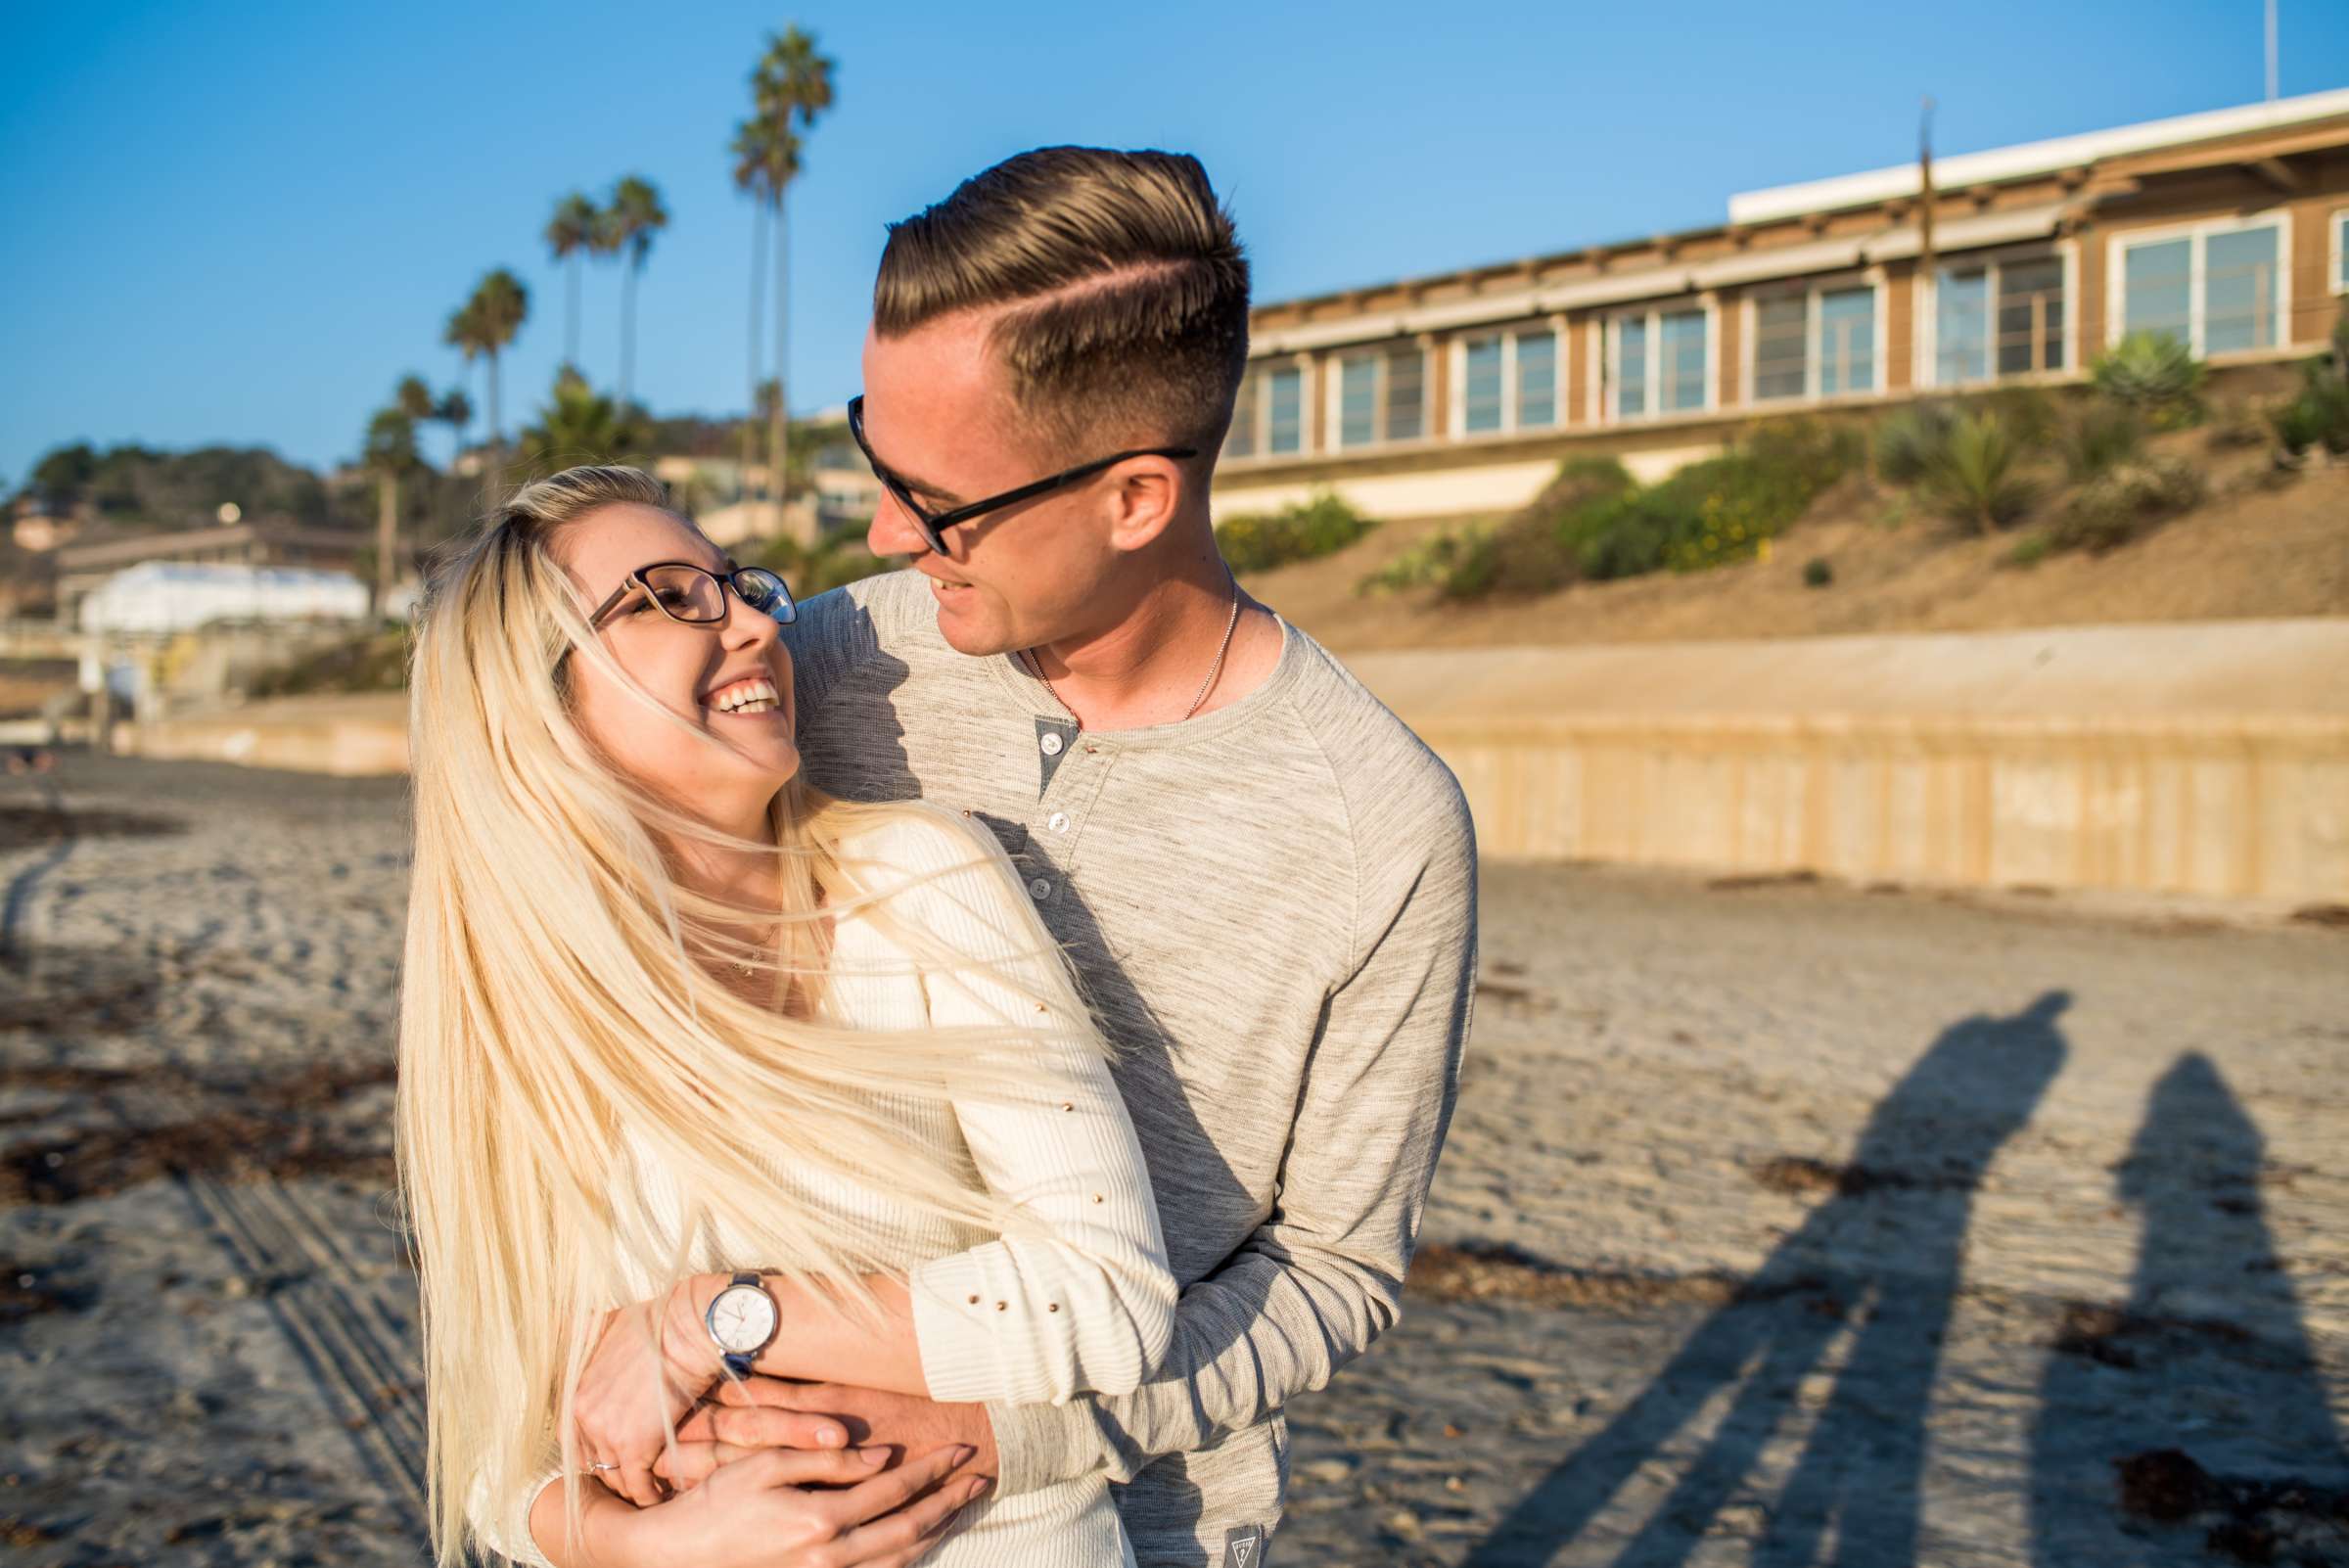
[871, 1477]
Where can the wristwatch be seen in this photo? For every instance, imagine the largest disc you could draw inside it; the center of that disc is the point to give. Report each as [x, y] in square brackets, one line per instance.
[742, 1318]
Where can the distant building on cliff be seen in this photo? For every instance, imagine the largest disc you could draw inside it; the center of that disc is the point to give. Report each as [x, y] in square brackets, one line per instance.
[1460, 392]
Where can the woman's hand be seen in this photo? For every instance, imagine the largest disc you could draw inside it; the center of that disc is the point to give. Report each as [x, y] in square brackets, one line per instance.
[759, 1513]
[647, 1371]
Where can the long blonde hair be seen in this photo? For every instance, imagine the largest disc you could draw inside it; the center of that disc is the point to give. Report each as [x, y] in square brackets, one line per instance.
[556, 1009]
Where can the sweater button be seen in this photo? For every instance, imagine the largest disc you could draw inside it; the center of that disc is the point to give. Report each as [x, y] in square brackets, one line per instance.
[1001, 1306]
[1051, 743]
[1040, 889]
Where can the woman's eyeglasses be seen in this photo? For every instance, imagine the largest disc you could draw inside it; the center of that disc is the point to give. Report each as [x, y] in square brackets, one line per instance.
[932, 524]
[695, 596]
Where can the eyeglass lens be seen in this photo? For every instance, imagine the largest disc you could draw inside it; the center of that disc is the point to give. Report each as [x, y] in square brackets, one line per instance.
[688, 593]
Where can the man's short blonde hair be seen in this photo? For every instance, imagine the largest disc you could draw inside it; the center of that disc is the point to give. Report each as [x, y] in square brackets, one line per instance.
[1127, 287]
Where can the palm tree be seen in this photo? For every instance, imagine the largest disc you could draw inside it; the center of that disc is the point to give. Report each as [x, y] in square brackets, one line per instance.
[767, 155]
[634, 217]
[413, 398]
[484, 325]
[389, 454]
[791, 86]
[570, 235]
[455, 410]
[580, 425]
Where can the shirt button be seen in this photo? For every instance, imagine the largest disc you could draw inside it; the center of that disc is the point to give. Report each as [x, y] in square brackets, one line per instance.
[1058, 821]
[1051, 743]
[1040, 889]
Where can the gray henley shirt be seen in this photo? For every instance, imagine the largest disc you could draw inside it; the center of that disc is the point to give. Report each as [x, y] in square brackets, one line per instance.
[1272, 907]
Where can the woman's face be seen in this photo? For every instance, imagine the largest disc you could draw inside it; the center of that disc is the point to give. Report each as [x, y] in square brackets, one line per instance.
[701, 674]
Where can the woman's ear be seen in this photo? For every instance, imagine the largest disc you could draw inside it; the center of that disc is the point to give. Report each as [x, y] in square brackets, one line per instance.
[1145, 499]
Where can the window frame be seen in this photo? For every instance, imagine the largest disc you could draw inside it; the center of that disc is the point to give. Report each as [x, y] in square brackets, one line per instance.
[1455, 413]
[1927, 313]
[2199, 232]
[1334, 394]
[1812, 289]
[2336, 226]
[1651, 313]
[1262, 371]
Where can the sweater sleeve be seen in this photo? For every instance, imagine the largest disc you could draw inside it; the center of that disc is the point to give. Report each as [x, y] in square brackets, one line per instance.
[1085, 1304]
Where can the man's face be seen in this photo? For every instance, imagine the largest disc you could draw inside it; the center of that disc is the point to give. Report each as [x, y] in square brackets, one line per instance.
[939, 413]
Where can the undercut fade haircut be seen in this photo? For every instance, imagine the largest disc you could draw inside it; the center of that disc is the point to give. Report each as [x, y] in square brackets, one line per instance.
[1127, 288]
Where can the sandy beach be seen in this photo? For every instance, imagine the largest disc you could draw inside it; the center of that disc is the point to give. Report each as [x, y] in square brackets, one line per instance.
[1779, 1224]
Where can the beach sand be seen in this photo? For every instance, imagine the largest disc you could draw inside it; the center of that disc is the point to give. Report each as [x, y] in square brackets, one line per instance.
[1779, 1224]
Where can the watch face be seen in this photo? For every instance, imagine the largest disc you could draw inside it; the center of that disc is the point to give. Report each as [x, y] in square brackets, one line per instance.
[742, 1318]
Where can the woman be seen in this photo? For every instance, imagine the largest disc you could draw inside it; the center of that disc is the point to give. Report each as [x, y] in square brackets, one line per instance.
[702, 1074]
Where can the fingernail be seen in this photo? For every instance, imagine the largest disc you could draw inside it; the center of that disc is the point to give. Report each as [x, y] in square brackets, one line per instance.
[963, 1452]
[977, 1490]
[831, 1437]
[872, 1456]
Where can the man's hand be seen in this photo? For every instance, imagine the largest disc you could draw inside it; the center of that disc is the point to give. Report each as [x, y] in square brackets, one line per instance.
[767, 1412]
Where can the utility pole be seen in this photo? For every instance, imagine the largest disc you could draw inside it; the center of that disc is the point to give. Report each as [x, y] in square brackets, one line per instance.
[2272, 82]
[1927, 285]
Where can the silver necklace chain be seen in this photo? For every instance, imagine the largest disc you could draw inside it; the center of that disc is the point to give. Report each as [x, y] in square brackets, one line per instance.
[1231, 624]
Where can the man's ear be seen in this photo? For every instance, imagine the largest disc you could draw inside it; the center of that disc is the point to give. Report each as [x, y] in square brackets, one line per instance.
[1145, 497]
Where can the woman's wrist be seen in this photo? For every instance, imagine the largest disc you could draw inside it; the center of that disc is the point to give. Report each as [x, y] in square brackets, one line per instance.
[685, 1343]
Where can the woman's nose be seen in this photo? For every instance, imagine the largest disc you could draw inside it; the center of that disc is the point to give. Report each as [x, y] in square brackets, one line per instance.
[744, 626]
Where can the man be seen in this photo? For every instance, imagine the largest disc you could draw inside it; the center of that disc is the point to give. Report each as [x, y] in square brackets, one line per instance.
[1265, 881]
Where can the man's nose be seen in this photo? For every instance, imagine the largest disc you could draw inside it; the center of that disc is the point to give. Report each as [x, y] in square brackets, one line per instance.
[892, 532]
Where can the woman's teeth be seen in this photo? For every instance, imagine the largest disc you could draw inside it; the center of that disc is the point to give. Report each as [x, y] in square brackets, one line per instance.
[747, 697]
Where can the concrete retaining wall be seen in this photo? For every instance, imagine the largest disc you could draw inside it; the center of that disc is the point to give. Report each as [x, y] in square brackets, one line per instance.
[2203, 758]
[2253, 809]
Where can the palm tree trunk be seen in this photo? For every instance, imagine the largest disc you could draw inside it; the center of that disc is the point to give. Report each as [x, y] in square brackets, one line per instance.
[494, 477]
[570, 316]
[387, 539]
[779, 417]
[750, 416]
[627, 332]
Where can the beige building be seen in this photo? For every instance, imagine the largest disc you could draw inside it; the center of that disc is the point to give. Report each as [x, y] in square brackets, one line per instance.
[1460, 392]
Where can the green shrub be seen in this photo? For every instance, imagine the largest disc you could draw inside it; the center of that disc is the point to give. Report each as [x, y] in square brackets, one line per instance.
[2153, 373]
[1910, 441]
[1425, 564]
[1817, 572]
[1302, 531]
[2125, 502]
[2097, 437]
[2240, 422]
[1978, 477]
[2319, 413]
[2028, 551]
[1531, 550]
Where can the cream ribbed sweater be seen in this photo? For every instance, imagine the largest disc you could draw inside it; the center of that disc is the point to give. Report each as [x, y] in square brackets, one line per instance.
[1088, 1308]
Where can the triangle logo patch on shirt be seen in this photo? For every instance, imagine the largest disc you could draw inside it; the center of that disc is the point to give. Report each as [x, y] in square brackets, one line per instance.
[1241, 1547]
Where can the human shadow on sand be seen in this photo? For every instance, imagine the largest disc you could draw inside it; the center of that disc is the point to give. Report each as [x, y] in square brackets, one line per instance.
[2192, 1417]
[1877, 1261]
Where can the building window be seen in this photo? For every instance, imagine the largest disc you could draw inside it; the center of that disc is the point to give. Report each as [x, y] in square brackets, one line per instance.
[1481, 384]
[1536, 377]
[1659, 361]
[2218, 291]
[2341, 251]
[1975, 338]
[1382, 396]
[1817, 345]
[1269, 414]
[1509, 381]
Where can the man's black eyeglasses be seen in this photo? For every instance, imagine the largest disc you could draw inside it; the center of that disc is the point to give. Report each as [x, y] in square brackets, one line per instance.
[695, 596]
[932, 524]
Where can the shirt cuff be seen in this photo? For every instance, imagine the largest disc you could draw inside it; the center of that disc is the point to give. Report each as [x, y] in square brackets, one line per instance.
[1039, 1446]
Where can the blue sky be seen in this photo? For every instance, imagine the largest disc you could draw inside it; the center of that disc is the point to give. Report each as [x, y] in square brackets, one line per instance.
[244, 223]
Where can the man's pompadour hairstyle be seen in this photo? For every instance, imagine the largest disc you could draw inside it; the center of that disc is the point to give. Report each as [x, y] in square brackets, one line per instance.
[1128, 285]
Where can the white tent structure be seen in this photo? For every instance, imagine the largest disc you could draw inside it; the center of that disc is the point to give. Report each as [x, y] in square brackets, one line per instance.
[165, 596]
